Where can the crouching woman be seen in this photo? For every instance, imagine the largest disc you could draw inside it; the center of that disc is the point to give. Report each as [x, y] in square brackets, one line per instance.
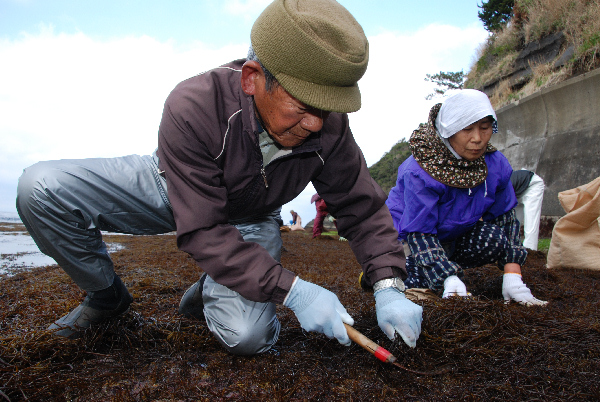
[453, 203]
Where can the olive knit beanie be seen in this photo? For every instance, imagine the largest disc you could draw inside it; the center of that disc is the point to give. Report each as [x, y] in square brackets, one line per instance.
[315, 49]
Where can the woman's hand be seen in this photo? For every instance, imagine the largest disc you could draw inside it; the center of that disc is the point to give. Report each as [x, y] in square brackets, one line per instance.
[513, 288]
[453, 286]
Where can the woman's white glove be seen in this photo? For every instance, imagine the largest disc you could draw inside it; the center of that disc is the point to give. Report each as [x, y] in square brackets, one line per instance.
[513, 288]
[453, 286]
[319, 310]
[395, 313]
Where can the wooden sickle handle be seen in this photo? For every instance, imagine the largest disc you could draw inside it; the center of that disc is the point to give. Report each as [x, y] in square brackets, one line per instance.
[369, 345]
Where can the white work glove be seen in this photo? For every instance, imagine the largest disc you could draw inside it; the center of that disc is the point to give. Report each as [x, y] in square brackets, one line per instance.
[395, 313]
[453, 286]
[319, 310]
[513, 288]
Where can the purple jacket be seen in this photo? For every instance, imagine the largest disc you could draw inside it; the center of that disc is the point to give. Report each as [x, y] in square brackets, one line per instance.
[419, 203]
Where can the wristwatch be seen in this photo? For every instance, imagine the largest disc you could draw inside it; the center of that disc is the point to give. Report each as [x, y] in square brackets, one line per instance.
[395, 283]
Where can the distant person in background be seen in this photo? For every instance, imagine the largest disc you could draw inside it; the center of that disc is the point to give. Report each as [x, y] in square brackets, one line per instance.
[453, 204]
[294, 217]
[322, 213]
[296, 222]
[529, 189]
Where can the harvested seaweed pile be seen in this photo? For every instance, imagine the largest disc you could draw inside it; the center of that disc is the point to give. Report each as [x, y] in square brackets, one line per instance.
[492, 351]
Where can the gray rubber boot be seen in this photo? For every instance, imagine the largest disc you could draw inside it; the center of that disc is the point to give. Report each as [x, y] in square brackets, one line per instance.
[95, 308]
[192, 305]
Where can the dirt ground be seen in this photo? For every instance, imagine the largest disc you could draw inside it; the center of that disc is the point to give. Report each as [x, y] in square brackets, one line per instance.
[485, 349]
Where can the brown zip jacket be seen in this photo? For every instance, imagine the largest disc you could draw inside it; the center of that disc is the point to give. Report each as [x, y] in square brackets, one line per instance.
[208, 148]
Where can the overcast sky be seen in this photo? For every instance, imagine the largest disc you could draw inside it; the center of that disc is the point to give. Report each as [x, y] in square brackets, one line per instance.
[81, 79]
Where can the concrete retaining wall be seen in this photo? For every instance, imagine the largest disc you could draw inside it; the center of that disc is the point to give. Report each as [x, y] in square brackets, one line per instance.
[555, 133]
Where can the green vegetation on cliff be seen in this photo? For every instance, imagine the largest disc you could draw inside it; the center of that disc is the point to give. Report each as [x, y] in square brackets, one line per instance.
[543, 43]
[385, 171]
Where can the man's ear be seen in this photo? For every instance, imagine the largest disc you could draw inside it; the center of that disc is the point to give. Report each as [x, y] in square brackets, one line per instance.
[251, 77]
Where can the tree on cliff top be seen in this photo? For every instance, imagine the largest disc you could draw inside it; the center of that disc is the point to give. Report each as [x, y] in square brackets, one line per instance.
[446, 81]
[495, 13]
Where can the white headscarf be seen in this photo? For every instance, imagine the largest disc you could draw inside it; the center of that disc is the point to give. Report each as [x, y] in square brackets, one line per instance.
[461, 110]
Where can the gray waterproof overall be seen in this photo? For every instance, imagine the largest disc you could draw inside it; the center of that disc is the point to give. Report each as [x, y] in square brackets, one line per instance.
[65, 205]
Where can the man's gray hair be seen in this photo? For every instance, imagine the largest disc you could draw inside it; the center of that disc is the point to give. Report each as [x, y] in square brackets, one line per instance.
[270, 80]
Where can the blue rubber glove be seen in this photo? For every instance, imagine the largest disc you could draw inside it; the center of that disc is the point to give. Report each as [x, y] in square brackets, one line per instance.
[395, 313]
[319, 310]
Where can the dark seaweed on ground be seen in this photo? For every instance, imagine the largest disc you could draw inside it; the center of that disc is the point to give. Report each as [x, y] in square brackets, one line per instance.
[490, 351]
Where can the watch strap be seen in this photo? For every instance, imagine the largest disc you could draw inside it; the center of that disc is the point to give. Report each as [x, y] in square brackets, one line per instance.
[389, 283]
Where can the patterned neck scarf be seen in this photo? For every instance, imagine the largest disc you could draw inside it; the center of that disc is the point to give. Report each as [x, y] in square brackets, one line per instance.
[440, 163]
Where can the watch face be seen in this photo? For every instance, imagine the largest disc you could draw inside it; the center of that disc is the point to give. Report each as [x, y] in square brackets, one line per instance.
[400, 284]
